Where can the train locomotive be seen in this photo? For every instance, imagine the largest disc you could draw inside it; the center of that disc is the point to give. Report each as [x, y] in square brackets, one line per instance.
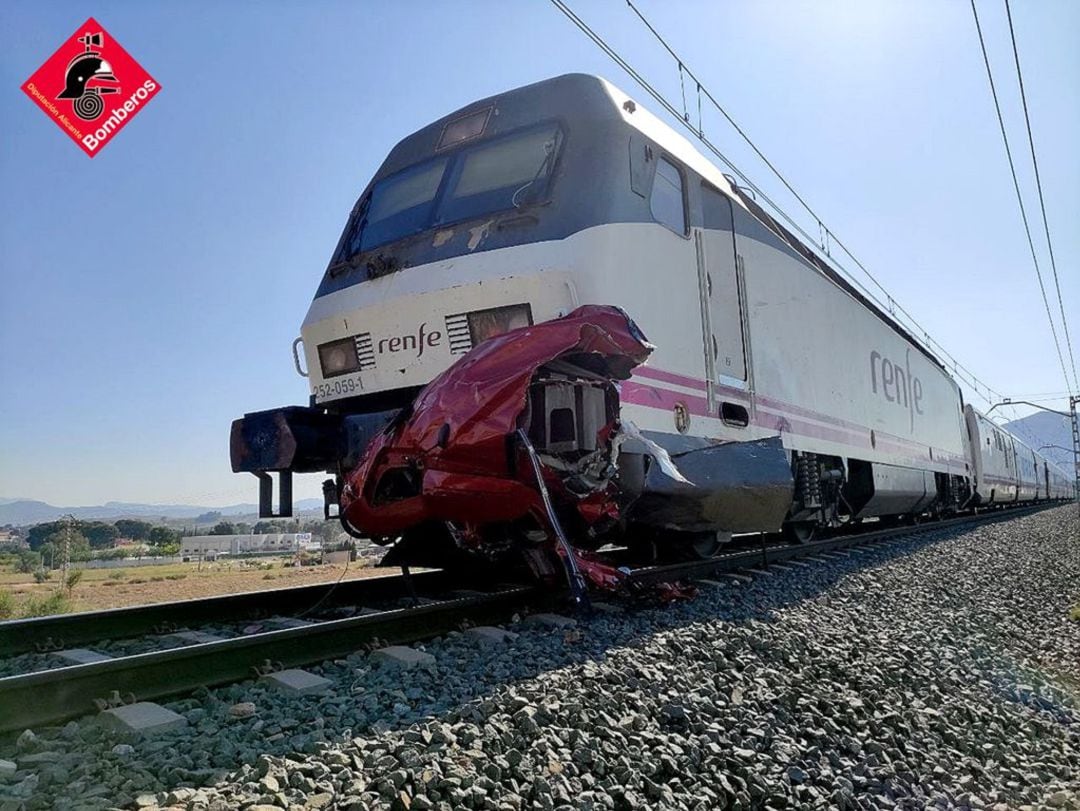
[551, 324]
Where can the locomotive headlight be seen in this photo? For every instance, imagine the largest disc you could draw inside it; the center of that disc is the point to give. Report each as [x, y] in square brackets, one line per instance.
[484, 324]
[338, 357]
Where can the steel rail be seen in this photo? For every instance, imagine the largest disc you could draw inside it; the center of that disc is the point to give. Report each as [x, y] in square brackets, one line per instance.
[764, 555]
[49, 696]
[73, 630]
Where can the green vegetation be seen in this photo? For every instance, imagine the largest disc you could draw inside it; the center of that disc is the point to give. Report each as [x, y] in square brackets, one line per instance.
[1075, 613]
[136, 530]
[119, 553]
[27, 561]
[73, 579]
[55, 603]
[97, 534]
[82, 540]
[52, 550]
[164, 540]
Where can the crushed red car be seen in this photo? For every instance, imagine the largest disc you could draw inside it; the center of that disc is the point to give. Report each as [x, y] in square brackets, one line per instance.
[463, 454]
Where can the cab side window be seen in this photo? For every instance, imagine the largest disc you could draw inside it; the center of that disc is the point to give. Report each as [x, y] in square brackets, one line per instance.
[668, 202]
[716, 209]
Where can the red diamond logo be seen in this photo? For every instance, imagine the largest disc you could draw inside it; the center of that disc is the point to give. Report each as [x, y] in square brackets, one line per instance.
[91, 87]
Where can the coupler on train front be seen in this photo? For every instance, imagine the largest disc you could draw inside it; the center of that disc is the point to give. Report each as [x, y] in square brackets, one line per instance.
[518, 454]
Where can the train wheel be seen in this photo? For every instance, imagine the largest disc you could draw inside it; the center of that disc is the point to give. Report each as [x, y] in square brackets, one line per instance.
[800, 531]
[701, 545]
[673, 546]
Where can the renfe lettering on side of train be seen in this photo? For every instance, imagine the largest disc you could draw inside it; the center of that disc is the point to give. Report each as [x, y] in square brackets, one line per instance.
[898, 385]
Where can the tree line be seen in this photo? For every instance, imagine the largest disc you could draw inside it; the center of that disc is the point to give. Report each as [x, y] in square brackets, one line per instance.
[101, 535]
[86, 539]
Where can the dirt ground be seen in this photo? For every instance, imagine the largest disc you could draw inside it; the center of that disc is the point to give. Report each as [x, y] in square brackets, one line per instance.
[116, 588]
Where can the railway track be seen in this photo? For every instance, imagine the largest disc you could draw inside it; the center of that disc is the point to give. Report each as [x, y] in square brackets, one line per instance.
[73, 630]
[46, 696]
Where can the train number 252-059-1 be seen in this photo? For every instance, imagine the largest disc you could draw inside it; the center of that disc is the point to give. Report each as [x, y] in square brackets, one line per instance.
[349, 385]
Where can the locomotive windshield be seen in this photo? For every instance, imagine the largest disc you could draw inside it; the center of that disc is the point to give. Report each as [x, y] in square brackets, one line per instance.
[495, 175]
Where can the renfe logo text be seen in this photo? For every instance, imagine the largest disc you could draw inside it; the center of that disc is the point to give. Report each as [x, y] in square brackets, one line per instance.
[399, 343]
[896, 383]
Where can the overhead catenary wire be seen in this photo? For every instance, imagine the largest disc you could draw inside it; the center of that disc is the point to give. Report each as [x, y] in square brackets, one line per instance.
[1042, 201]
[1019, 196]
[1053, 395]
[893, 305]
[980, 388]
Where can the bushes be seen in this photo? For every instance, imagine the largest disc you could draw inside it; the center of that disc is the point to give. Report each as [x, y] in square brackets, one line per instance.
[73, 579]
[119, 553]
[27, 561]
[55, 603]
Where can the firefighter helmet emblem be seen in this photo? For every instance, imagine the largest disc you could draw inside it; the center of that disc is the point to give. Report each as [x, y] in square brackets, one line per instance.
[85, 68]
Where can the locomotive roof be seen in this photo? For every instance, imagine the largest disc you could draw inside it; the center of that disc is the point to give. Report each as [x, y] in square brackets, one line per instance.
[581, 98]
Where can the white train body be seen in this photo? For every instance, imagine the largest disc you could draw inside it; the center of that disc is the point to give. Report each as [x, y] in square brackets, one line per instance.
[1006, 470]
[754, 336]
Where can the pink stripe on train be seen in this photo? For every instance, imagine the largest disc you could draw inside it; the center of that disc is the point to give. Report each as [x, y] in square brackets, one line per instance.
[787, 418]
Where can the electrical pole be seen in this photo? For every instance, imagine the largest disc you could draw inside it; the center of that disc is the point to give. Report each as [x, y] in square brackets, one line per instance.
[65, 549]
[1074, 400]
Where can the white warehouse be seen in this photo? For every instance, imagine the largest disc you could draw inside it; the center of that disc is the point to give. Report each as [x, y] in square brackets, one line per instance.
[278, 543]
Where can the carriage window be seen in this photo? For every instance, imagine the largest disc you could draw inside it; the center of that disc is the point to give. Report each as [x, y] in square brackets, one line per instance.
[668, 203]
[715, 209]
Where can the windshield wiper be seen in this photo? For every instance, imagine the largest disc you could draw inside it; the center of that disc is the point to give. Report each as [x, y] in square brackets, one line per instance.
[549, 153]
[351, 262]
[337, 267]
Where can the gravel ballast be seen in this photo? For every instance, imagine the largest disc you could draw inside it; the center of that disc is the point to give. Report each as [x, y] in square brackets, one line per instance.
[943, 671]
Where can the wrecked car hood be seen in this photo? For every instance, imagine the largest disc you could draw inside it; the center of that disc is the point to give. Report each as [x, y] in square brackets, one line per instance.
[450, 457]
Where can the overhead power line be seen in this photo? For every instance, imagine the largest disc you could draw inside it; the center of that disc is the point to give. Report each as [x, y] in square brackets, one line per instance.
[1019, 196]
[1042, 202]
[890, 305]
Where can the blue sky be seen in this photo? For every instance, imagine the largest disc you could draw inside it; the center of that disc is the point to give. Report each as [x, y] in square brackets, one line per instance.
[150, 295]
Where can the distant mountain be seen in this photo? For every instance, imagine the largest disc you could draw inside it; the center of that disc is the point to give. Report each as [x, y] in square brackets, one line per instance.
[1044, 428]
[27, 511]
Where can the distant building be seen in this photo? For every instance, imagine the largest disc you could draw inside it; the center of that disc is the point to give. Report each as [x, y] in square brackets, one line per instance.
[210, 546]
[9, 538]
